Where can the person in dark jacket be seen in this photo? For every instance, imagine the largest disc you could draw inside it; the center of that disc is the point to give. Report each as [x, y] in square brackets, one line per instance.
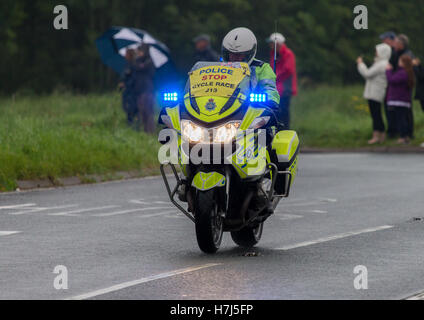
[419, 75]
[126, 83]
[203, 49]
[143, 74]
[399, 94]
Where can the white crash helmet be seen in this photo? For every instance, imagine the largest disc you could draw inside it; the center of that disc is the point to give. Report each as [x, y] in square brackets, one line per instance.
[239, 41]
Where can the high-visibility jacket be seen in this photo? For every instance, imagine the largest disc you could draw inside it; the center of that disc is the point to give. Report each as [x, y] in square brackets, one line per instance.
[263, 81]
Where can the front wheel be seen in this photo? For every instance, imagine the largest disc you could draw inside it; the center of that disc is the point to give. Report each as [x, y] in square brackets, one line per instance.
[209, 223]
[248, 236]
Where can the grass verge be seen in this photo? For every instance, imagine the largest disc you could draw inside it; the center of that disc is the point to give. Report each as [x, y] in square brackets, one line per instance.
[68, 135]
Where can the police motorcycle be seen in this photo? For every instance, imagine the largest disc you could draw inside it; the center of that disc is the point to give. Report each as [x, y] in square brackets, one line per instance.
[230, 173]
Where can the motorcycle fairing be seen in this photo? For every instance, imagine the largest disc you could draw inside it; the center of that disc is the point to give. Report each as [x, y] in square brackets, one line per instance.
[174, 115]
[208, 180]
[250, 158]
[251, 114]
[286, 146]
[214, 91]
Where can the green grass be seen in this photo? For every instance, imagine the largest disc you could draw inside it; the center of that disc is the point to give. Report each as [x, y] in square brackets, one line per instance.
[338, 117]
[65, 135]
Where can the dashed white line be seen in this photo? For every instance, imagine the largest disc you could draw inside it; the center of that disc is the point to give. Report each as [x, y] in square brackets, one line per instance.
[72, 213]
[140, 281]
[38, 209]
[334, 237]
[317, 211]
[17, 206]
[8, 233]
[288, 216]
[328, 199]
[109, 214]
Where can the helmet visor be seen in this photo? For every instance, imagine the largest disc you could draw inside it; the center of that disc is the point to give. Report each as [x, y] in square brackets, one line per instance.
[230, 56]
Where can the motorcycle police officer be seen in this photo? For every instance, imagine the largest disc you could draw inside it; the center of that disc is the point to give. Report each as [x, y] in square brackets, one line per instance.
[240, 45]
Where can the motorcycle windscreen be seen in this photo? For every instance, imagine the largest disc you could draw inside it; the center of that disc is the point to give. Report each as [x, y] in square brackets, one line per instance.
[216, 90]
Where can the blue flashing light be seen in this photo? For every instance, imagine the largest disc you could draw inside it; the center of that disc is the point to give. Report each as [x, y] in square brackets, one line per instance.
[258, 97]
[170, 96]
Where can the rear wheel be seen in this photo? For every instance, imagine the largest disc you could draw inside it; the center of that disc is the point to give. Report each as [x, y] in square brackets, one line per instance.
[209, 223]
[248, 236]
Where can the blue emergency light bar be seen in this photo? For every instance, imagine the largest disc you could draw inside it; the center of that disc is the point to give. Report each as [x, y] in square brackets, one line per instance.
[170, 96]
[258, 97]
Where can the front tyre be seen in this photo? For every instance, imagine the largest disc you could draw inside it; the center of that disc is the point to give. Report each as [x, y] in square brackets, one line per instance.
[248, 236]
[209, 223]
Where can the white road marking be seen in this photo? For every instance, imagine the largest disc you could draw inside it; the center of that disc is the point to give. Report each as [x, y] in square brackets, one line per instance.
[328, 199]
[287, 216]
[302, 204]
[140, 281]
[109, 214]
[317, 211]
[419, 296]
[334, 237]
[309, 202]
[140, 201]
[38, 209]
[17, 206]
[8, 233]
[72, 213]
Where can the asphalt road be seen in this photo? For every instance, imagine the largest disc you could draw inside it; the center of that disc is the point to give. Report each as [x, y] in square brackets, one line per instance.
[124, 240]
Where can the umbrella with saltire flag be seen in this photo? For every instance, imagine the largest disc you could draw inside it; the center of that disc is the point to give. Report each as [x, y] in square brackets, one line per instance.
[113, 44]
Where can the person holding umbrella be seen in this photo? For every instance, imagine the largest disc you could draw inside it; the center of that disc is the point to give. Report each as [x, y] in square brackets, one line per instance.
[144, 71]
[126, 83]
[151, 60]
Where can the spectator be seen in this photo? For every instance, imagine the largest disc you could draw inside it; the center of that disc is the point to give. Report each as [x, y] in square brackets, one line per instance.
[204, 51]
[419, 75]
[286, 75]
[129, 103]
[399, 94]
[402, 48]
[144, 71]
[375, 88]
[389, 38]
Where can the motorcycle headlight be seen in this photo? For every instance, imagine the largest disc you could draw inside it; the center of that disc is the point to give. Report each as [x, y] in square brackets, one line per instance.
[226, 133]
[191, 131]
[223, 134]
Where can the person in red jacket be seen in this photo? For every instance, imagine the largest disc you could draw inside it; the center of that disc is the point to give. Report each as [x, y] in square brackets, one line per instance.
[285, 69]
